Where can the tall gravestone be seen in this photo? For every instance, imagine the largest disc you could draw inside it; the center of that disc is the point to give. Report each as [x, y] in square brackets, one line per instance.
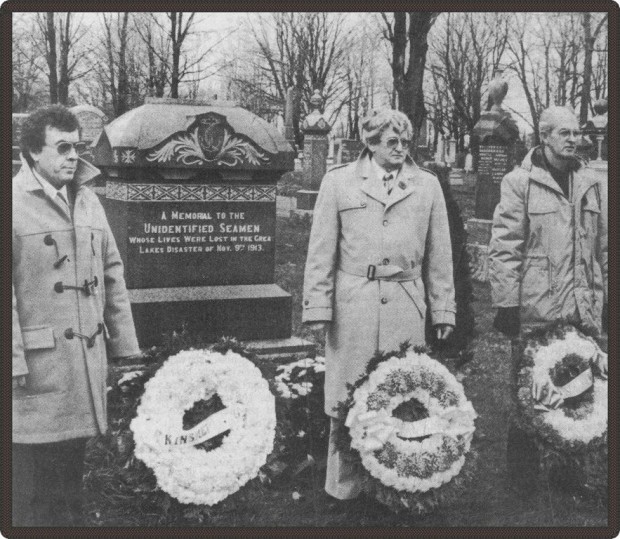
[498, 134]
[91, 120]
[316, 148]
[190, 195]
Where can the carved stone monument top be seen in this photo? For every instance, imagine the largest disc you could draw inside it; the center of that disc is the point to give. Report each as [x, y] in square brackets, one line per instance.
[497, 92]
[315, 122]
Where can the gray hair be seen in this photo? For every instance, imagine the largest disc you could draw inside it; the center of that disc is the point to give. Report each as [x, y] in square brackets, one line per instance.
[549, 118]
[379, 120]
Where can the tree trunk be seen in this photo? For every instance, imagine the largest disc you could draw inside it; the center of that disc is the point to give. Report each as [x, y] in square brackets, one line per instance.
[587, 68]
[408, 84]
[51, 57]
[175, 31]
[65, 44]
[123, 90]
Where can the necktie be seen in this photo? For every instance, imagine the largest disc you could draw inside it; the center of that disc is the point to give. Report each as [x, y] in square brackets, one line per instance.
[64, 202]
[387, 182]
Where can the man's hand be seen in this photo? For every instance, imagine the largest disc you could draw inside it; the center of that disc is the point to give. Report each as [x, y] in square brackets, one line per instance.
[443, 331]
[508, 321]
[19, 381]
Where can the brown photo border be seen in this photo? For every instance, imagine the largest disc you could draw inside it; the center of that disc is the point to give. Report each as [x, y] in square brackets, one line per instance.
[7, 8]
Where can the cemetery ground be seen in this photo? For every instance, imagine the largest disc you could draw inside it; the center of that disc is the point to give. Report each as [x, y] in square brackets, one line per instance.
[121, 491]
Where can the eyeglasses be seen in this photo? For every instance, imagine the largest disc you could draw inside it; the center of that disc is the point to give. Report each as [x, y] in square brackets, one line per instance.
[566, 133]
[64, 148]
[392, 142]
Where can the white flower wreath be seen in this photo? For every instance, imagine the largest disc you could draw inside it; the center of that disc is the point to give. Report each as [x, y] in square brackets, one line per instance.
[294, 379]
[411, 456]
[188, 473]
[591, 419]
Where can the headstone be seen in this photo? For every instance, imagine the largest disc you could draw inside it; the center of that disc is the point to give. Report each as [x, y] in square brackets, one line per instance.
[289, 112]
[498, 134]
[316, 147]
[190, 195]
[349, 150]
[91, 121]
[451, 159]
[439, 154]
[16, 124]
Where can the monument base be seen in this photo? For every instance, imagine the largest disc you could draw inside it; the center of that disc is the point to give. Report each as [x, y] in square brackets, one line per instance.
[478, 238]
[293, 347]
[246, 312]
[306, 199]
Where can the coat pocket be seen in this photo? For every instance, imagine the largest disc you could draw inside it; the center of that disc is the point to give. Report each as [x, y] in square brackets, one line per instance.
[536, 293]
[48, 370]
[38, 337]
[416, 296]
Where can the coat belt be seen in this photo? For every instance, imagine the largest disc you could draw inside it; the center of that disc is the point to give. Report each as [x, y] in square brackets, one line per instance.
[381, 272]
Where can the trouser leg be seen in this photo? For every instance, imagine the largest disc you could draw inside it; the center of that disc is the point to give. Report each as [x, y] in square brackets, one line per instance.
[344, 476]
[47, 483]
[22, 492]
[521, 452]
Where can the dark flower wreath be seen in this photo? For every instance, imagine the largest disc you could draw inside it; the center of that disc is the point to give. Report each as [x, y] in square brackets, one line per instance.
[577, 462]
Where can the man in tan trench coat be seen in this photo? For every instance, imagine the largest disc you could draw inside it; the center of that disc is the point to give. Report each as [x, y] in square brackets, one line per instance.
[70, 310]
[379, 249]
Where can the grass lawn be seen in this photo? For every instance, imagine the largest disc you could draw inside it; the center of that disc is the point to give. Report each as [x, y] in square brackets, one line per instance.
[121, 492]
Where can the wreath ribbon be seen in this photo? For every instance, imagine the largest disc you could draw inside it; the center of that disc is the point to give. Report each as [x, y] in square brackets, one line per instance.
[548, 396]
[380, 425]
[208, 428]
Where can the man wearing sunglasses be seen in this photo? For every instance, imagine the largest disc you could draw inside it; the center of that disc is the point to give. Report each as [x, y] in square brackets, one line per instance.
[379, 250]
[70, 311]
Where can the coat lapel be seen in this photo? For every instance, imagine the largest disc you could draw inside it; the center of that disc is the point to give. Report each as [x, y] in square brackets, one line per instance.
[373, 187]
[368, 183]
[405, 184]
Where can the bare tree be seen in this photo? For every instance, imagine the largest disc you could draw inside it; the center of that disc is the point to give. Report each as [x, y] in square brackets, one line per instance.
[408, 33]
[27, 86]
[59, 40]
[589, 37]
[305, 51]
[467, 49]
[176, 51]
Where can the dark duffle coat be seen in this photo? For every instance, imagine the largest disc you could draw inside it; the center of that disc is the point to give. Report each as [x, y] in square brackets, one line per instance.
[405, 240]
[65, 393]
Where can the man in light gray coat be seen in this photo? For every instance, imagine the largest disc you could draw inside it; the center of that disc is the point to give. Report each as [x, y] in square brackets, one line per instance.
[70, 311]
[548, 253]
[379, 250]
[548, 249]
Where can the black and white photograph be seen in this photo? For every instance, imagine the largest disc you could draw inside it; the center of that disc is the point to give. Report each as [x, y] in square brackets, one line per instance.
[338, 271]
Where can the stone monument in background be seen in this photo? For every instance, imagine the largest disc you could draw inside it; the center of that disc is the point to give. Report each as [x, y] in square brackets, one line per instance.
[91, 121]
[498, 135]
[316, 148]
[190, 194]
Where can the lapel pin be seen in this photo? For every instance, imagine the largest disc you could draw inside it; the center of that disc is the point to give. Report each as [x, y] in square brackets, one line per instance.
[402, 184]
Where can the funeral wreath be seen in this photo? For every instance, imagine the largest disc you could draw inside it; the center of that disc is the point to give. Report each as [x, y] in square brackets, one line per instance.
[185, 461]
[562, 403]
[411, 424]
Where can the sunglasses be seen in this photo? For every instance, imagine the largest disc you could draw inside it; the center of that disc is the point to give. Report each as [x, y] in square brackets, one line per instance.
[64, 148]
[392, 142]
